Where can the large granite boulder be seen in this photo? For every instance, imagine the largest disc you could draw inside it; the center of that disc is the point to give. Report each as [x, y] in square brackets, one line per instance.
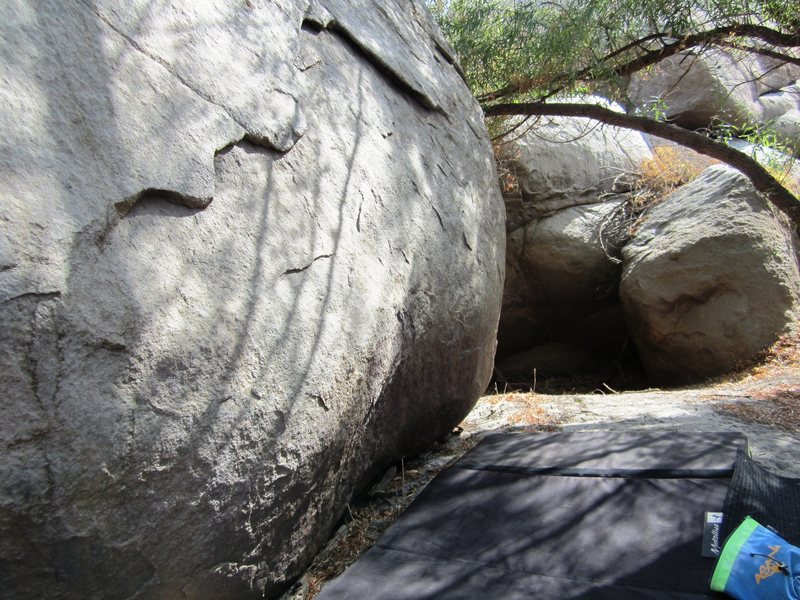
[709, 279]
[559, 163]
[779, 103]
[782, 112]
[245, 263]
[695, 90]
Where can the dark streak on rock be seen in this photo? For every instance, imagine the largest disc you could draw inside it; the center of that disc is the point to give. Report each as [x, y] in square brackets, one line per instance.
[389, 74]
[466, 241]
[451, 60]
[438, 214]
[320, 400]
[40, 296]
[121, 209]
[125, 206]
[32, 438]
[110, 345]
[301, 269]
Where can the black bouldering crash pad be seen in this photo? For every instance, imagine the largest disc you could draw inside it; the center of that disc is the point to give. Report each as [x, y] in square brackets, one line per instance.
[772, 500]
[579, 515]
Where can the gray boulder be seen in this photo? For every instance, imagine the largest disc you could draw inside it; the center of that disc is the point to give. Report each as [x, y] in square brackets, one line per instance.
[696, 89]
[780, 102]
[560, 269]
[770, 74]
[782, 114]
[245, 263]
[787, 128]
[709, 279]
[564, 162]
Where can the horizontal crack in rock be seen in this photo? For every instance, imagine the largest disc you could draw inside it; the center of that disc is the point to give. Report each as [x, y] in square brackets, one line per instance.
[195, 202]
[40, 296]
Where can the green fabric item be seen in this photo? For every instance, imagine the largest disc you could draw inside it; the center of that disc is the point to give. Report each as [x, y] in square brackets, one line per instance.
[729, 553]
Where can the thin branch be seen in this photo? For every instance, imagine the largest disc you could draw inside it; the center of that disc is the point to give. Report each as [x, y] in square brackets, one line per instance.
[716, 36]
[703, 38]
[761, 179]
[769, 53]
[636, 44]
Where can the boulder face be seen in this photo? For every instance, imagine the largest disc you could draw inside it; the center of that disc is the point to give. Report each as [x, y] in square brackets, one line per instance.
[709, 279]
[245, 263]
[560, 270]
[744, 89]
[566, 162]
[697, 89]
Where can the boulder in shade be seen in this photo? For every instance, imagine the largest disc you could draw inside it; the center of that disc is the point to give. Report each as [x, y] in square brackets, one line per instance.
[709, 279]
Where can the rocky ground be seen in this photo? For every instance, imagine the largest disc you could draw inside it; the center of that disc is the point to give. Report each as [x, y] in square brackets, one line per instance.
[762, 402]
[766, 409]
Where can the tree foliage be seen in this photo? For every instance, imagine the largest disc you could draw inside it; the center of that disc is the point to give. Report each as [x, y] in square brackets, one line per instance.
[525, 57]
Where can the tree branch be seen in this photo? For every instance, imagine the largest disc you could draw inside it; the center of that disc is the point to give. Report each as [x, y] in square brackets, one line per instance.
[709, 37]
[703, 38]
[761, 179]
[780, 56]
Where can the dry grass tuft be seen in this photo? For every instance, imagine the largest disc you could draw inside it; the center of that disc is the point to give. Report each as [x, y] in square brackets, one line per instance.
[363, 529]
[531, 411]
[779, 409]
[772, 384]
[782, 358]
[670, 168]
[787, 180]
[783, 355]
[506, 161]
[786, 173]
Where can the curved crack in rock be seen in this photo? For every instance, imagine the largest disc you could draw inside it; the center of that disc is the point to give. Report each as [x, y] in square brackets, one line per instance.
[125, 206]
[305, 267]
[281, 141]
[367, 53]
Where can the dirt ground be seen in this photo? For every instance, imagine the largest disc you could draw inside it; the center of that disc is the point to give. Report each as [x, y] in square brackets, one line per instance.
[763, 402]
[755, 410]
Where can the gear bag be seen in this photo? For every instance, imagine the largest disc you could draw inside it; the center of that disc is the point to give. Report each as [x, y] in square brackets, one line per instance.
[756, 563]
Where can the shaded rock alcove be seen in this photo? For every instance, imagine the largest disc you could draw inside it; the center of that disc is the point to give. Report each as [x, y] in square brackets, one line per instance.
[602, 293]
[567, 214]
